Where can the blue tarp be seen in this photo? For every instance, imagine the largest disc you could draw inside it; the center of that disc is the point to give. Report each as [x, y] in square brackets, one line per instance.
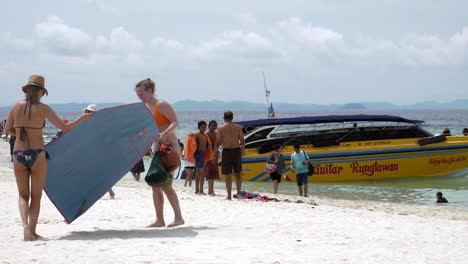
[87, 161]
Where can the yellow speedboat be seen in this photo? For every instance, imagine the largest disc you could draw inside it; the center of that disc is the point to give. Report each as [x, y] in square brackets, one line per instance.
[354, 147]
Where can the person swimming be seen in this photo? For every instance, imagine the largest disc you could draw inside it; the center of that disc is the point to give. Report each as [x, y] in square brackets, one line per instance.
[441, 198]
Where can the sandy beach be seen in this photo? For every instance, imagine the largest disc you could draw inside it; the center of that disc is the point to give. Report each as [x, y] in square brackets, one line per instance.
[239, 231]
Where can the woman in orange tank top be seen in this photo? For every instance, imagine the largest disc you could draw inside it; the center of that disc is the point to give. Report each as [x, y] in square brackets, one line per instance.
[166, 120]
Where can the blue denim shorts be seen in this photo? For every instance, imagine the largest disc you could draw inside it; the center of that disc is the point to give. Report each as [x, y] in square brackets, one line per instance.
[301, 178]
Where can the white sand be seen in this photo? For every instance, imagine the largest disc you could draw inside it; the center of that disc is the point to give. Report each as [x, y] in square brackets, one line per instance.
[240, 231]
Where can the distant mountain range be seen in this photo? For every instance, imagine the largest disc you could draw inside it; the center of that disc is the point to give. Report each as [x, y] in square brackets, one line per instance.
[189, 105]
[242, 105]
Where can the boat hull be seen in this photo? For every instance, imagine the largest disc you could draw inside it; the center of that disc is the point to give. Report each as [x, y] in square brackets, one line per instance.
[370, 160]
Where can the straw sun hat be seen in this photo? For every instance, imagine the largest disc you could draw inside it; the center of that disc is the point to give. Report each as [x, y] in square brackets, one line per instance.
[37, 81]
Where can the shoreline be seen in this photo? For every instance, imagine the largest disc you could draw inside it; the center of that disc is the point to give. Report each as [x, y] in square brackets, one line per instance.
[442, 211]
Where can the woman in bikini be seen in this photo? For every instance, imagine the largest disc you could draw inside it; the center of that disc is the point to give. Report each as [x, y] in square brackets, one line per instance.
[26, 120]
[166, 120]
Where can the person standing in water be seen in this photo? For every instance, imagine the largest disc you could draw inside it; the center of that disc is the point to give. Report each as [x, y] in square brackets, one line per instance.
[440, 198]
[166, 120]
[26, 121]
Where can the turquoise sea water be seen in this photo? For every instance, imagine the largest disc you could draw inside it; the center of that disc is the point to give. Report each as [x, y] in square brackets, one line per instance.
[408, 190]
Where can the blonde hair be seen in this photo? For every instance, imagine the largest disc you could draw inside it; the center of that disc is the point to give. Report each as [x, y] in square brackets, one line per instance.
[147, 85]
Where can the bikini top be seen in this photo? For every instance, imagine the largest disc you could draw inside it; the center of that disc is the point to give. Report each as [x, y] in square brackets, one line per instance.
[160, 119]
[24, 134]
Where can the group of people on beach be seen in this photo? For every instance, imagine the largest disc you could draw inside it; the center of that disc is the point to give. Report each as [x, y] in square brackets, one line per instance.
[201, 154]
[197, 153]
[27, 119]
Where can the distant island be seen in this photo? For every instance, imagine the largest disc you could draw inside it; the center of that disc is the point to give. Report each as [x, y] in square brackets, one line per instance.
[216, 105]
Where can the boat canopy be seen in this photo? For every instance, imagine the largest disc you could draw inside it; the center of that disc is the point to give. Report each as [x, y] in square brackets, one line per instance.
[326, 119]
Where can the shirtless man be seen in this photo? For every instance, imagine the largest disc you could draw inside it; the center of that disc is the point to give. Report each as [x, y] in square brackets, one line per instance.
[231, 138]
[202, 144]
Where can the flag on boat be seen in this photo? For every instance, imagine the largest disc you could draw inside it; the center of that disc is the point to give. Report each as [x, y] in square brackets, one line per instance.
[271, 110]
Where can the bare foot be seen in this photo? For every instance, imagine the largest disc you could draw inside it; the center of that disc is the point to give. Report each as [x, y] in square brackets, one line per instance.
[157, 224]
[196, 192]
[38, 237]
[28, 236]
[202, 193]
[177, 222]
[229, 198]
[212, 194]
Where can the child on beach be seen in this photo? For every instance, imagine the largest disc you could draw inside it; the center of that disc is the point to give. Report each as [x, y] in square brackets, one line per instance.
[137, 169]
[212, 171]
[277, 158]
[202, 145]
[26, 121]
[189, 170]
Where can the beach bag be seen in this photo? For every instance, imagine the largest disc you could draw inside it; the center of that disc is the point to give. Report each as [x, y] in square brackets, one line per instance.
[157, 175]
[270, 167]
[169, 156]
[310, 166]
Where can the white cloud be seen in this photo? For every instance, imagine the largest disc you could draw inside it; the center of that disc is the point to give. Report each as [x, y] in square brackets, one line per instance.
[288, 40]
[63, 39]
[166, 44]
[414, 50]
[236, 45]
[313, 36]
[122, 40]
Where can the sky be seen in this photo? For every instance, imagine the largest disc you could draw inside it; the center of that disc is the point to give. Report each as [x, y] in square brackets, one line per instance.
[311, 51]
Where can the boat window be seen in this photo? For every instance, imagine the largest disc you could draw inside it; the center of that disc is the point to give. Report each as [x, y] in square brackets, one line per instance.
[258, 135]
[330, 137]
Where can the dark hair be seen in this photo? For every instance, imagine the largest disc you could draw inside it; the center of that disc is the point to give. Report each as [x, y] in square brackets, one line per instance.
[439, 194]
[228, 115]
[278, 146]
[147, 84]
[297, 145]
[212, 122]
[31, 98]
[201, 123]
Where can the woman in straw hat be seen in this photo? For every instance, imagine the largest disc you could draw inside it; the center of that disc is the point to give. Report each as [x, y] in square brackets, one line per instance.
[26, 120]
[166, 120]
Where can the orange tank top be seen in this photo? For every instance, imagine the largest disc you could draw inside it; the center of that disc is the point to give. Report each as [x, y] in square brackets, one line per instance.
[160, 119]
